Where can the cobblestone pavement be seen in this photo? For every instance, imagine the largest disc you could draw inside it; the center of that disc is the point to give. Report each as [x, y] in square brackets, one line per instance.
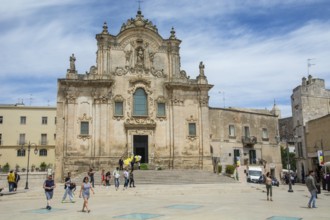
[160, 202]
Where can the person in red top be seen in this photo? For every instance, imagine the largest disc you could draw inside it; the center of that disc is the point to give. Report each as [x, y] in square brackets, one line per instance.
[103, 177]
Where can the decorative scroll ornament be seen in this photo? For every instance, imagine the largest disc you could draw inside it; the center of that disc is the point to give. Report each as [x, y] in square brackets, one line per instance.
[71, 95]
[140, 121]
[84, 118]
[121, 71]
[139, 21]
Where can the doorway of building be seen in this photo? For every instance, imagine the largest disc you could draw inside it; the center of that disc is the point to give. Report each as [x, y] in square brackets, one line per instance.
[236, 156]
[252, 157]
[140, 147]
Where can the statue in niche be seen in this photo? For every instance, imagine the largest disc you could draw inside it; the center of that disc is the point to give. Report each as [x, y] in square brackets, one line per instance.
[128, 54]
[72, 63]
[139, 57]
[151, 56]
[201, 68]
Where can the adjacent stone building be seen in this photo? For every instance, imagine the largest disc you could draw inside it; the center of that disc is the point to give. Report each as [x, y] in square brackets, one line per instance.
[22, 125]
[317, 139]
[138, 100]
[247, 136]
[310, 100]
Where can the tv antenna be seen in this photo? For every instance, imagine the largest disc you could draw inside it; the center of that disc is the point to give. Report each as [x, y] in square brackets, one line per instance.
[223, 98]
[309, 64]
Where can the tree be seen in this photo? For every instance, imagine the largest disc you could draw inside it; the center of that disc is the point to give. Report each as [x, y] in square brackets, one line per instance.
[284, 157]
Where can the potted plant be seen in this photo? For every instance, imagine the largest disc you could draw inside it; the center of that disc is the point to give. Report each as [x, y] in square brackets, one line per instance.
[43, 166]
[33, 167]
[5, 168]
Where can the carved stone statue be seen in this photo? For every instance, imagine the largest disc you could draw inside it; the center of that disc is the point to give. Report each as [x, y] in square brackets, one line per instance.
[201, 68]
[151, 56]
[140, 57]
[128, 56]
[72, 63]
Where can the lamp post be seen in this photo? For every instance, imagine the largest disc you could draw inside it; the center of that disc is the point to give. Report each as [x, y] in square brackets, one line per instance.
[28, 162]
[288, 158]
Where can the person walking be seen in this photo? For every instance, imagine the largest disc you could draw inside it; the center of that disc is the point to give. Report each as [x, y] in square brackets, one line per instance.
[126, 178]
[132, 163]
[116, 176]
[67, 188]
[11, 180]
[103, 177]
[49, 186]
[107, 179]
[86, 187]
[121, 164]
[310, 183]
[268, 182]
[91, 176]
[131, 179]
[17, 178]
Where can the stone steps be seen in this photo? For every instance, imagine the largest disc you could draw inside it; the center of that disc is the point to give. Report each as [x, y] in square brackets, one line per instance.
[166, 177]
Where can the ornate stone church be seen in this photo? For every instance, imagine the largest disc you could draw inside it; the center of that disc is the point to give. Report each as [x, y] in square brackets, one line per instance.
[136, 100]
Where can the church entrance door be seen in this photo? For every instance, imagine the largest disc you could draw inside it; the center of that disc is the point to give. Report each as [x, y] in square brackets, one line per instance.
[140, 147]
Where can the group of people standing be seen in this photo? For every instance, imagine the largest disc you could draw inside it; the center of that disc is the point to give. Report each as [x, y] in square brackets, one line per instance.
[13, 179]
[128, 178]
[87, 186]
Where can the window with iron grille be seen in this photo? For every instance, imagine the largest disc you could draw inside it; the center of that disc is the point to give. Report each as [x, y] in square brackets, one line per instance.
[21, 139]
[119, 111]
[246, 131]
[43, 139]
[21, 152]
[160, 109]
[23, 120]
[84, 128]
[192, 129]
[44, 120]
[140, 107]
[232, 131]
[265, 134]
[43, 152]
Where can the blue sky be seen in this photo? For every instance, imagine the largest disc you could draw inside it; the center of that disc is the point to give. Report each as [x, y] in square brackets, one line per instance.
[253, 51]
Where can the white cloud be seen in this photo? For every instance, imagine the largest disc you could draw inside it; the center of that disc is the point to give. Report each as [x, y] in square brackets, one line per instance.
[251, 65]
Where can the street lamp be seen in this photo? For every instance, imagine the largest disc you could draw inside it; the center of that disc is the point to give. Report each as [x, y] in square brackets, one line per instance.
[288, 166]
[28, 162]
[288, 160]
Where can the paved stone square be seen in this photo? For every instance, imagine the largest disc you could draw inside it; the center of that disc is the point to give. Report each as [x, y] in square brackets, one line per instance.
[160, 202]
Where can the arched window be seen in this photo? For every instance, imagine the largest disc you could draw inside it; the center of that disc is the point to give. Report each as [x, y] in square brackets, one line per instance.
[21, 152]
[43, 152]
[140, 103]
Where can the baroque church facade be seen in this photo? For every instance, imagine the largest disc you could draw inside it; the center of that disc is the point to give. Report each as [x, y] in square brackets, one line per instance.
[136, 100]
